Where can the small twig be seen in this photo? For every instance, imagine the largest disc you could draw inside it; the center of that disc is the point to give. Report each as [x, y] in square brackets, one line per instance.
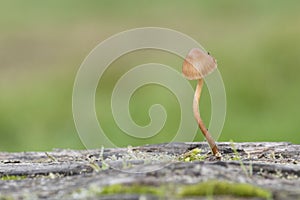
[51, 157]
[238, 158]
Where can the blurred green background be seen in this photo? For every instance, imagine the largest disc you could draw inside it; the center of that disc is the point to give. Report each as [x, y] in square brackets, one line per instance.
[42, 44]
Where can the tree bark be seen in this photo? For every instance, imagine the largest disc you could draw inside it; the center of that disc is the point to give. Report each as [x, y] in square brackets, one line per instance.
[73, 174]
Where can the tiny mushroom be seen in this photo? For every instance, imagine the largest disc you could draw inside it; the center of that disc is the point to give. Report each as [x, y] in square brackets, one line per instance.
[196, 66]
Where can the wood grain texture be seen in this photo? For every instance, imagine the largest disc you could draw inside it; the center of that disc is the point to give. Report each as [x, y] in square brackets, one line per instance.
[70, 174]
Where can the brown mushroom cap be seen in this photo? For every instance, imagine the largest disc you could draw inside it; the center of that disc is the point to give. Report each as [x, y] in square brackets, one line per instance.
[198, 64]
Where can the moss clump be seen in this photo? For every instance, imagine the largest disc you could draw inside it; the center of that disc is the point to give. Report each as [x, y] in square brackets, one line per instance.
[209, 188]
[4, 197]
[193, 155]
[12, 177]
[133, 189]
[224, 188]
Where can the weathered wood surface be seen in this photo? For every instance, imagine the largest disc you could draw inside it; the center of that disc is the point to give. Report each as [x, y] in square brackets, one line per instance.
[69, 174]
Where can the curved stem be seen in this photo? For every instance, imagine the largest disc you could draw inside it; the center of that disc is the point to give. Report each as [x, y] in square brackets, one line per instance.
[201, 125]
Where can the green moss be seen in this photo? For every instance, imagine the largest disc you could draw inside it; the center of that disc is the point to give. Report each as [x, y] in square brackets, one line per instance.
[6, 197]
[12, 177]
[209, 188]
[224, 188]
[193, 155]
[133, 189]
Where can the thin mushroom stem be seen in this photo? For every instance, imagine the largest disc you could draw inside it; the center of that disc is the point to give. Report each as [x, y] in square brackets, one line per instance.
[201, 125]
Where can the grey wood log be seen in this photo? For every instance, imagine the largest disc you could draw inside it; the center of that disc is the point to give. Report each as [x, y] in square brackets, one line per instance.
[81, 174]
